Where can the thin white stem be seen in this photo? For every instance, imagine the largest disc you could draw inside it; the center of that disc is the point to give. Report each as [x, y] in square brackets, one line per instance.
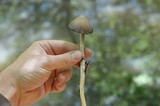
[82, 71]
[82, 43]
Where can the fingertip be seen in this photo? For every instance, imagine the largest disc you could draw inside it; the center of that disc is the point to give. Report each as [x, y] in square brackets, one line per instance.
[88, 52]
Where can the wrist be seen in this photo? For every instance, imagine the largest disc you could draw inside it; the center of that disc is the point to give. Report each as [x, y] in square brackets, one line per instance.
[8, 87]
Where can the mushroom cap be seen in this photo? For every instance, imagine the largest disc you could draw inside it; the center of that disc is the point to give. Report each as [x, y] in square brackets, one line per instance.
[81, 25]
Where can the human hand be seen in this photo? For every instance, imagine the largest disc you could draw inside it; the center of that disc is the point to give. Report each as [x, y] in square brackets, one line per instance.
[43, 68]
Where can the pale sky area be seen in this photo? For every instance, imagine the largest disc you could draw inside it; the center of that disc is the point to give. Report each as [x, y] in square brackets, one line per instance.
[4, 54]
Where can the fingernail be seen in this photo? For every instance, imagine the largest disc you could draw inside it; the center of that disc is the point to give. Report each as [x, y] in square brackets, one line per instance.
[76, 55]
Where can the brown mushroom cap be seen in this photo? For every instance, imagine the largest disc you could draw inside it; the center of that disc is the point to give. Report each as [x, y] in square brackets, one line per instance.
[81, 25]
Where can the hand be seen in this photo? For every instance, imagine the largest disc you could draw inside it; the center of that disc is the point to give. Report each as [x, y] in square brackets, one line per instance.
[43, 68]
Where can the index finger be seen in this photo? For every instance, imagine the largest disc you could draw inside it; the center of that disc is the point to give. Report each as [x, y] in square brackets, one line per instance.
[61, 47]
[56, 47]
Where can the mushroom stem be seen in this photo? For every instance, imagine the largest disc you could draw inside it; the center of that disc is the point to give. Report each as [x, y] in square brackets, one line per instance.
[82, 40]
[82, 71]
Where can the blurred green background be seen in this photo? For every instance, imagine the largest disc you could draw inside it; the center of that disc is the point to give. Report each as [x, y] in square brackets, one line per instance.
[125, 68]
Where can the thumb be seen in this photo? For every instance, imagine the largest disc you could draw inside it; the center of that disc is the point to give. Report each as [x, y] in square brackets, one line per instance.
[63, 60]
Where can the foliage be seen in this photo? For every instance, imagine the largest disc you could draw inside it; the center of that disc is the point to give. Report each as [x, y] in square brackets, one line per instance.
[124, 70]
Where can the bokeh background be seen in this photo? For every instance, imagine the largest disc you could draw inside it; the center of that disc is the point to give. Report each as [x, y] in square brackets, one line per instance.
[125, 68]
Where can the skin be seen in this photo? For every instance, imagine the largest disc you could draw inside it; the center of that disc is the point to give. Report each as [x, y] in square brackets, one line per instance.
[42, 69]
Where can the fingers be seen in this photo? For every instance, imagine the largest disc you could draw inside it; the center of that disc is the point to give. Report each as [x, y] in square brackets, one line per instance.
[56, 47]
[62, 61]
[60, 82]
[61, 47]
[58, 88]
[88, 53]
[64, 77]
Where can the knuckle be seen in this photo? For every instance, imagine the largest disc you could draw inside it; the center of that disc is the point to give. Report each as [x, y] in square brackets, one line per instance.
[36, 42]
[42, 59]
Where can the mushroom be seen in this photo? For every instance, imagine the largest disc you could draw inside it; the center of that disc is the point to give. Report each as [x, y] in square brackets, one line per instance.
[82, 26]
